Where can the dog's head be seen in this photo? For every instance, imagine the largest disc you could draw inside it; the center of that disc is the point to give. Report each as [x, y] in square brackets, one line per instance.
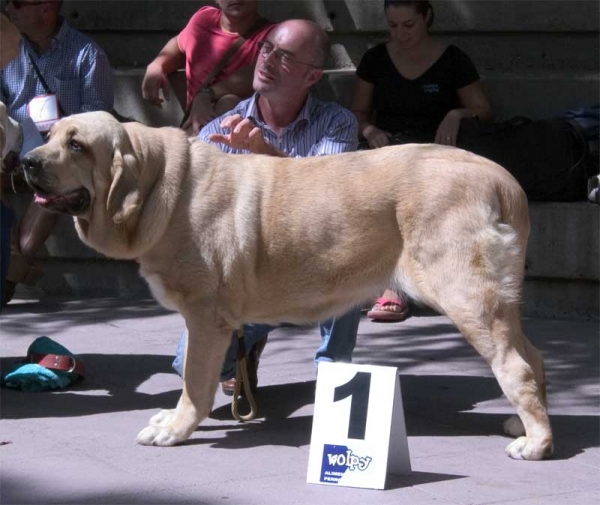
[87, 162]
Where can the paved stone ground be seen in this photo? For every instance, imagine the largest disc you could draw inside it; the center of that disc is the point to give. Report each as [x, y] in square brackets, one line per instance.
[78, 446]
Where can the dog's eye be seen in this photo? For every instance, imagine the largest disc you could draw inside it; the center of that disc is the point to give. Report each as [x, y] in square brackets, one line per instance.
[74, 145]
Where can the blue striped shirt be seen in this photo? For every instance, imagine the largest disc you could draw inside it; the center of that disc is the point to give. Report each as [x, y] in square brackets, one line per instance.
[74, 68]
[321, 128]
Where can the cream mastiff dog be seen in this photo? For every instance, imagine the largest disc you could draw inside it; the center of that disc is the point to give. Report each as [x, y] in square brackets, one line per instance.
[229, 239]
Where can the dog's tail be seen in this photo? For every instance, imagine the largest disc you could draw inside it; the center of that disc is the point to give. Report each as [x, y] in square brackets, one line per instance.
[510, 244]
[503, 257]
[515, 210]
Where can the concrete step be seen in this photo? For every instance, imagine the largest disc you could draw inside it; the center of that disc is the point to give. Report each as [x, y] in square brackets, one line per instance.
[536, 95]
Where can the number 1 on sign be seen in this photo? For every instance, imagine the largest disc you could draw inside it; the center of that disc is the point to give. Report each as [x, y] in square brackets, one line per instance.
[358, 388]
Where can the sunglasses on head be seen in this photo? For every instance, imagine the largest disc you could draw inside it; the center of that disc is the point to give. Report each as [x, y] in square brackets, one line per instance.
[17, 4]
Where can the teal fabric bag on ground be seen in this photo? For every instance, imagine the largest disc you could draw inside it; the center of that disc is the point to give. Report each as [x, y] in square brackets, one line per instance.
[48, 366]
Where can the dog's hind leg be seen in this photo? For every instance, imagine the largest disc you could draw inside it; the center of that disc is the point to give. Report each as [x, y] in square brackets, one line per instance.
[519, 369]
[205, 352]
[491, 324]
[480, 295]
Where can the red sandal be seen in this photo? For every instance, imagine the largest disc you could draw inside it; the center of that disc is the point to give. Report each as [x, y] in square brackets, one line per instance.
[379, 312]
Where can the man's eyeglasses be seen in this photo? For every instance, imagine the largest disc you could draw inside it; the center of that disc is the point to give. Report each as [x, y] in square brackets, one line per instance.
[17, 4]
[284, 57]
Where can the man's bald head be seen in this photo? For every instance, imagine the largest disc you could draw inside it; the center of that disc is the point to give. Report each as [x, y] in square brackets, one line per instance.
[315, 42]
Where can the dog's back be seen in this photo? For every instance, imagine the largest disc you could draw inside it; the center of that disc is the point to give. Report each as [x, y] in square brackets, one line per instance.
[347, 225]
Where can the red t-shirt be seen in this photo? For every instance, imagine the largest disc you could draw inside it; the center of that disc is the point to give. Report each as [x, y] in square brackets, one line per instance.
[204, 43]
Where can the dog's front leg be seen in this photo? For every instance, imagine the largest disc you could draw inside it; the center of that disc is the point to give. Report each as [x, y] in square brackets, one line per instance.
[205, 352]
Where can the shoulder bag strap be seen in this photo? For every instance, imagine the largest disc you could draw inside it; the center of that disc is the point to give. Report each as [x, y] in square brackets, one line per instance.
[223, 61]
[232, 50]
[47, 88]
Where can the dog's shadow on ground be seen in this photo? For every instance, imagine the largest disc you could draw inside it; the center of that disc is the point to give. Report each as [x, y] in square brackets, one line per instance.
[434, 405]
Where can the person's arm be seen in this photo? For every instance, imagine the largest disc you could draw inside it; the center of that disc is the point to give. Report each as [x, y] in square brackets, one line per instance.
[362, 99]
[341, 135]
[207, 105]
[97, 89]
[474, 102]
[170, 59]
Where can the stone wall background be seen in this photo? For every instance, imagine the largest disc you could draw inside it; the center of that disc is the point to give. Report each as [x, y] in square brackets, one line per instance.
[518, 36]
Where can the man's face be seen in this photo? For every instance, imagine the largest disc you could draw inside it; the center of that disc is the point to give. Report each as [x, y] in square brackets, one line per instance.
[238, 8]
[27, 15]
[285, 64]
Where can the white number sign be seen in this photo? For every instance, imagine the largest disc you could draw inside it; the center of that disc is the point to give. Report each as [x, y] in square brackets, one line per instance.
[358, 433]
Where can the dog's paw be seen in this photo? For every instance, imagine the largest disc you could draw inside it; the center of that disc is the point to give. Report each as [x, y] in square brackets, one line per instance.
[156, 435]
[513, 426]
[525, 448]
[163, 418]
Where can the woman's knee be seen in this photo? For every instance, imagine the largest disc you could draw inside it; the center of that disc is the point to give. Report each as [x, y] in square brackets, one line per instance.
[226, 103]
[34, 230]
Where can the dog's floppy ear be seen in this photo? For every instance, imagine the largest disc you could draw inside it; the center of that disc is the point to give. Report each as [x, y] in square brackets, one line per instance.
[123, 196]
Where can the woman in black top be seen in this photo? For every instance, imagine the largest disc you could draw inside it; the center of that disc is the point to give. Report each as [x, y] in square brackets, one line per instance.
[413, 89]
[414, 86]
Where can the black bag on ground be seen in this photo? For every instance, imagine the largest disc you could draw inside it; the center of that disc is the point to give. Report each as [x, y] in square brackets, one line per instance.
[549, 157]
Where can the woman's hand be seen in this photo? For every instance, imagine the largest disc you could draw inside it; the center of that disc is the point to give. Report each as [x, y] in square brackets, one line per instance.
[376, 137]
[447, 132]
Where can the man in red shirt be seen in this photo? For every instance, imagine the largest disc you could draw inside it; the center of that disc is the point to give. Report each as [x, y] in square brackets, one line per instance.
[199, 48]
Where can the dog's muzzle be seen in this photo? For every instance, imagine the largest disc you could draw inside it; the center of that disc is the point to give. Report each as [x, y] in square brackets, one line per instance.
[31, 165]
[74, 202]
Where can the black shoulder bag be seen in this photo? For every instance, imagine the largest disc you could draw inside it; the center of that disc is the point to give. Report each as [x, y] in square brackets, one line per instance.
[548, 157]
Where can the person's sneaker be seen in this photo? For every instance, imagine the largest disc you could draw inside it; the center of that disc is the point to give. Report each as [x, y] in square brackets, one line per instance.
[228, 386]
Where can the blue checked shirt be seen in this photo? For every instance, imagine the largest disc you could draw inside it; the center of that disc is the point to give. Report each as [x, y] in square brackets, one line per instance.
[321, 128]
[74, 68]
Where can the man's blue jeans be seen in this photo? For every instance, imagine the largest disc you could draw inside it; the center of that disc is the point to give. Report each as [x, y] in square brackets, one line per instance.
[338, 338]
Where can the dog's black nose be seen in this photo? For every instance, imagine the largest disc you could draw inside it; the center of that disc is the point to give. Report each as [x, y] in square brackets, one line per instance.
[31, 164]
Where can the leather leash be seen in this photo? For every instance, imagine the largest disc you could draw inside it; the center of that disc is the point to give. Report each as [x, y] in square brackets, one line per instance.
[242, 380]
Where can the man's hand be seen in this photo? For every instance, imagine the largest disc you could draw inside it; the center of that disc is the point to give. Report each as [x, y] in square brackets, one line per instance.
[202, 112]
[155, 80]
[244, 135]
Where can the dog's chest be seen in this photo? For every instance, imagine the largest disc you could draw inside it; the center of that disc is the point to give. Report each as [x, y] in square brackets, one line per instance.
[163, 295]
